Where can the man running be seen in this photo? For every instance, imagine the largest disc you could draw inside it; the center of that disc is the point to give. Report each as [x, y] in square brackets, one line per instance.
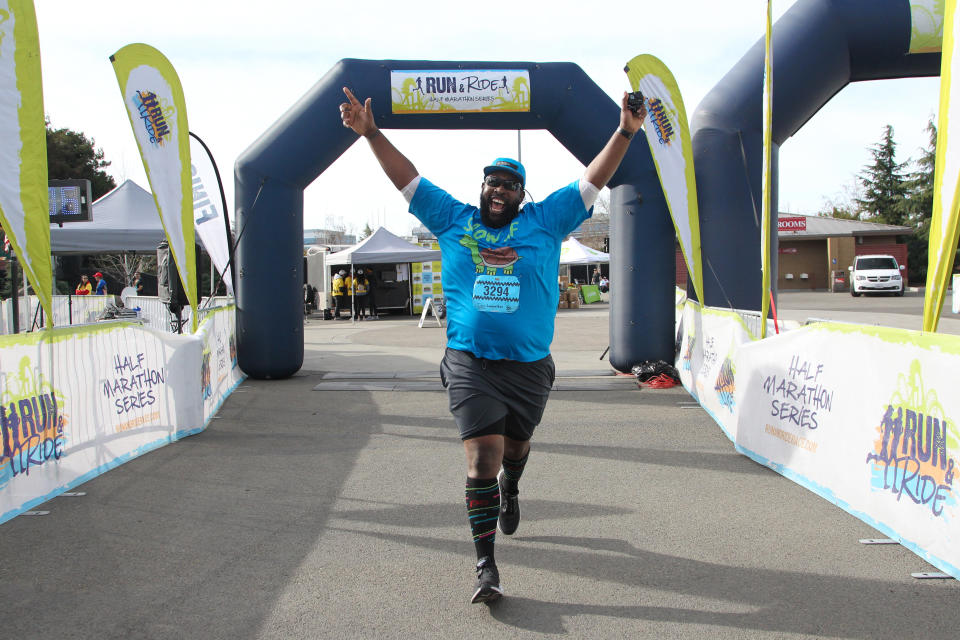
[500, 263]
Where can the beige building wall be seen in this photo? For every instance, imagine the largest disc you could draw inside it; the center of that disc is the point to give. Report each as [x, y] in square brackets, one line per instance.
[803, 265]
[840, 254]
[818, 258]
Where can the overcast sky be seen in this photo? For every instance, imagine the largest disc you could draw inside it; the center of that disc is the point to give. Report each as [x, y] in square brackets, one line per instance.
[242, 68]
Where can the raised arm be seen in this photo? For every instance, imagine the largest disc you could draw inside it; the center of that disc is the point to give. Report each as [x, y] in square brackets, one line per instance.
[602, 168]
[359, 117]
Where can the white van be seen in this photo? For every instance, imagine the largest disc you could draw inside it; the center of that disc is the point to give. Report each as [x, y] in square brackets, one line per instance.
[876, 273]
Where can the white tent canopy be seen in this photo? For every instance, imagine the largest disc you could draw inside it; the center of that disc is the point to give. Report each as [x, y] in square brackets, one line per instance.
[572, 252]
[125, 219]
[382, 247]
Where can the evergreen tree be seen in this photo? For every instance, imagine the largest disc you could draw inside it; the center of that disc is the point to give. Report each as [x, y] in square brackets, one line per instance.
[920, 207]
[71, 156]
[884, 184]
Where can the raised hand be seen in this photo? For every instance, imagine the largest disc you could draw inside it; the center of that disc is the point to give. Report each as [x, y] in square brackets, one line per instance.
[356, 116]
[628, 120]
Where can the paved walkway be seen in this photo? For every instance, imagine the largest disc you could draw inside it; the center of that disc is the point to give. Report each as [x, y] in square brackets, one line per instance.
[338, 514]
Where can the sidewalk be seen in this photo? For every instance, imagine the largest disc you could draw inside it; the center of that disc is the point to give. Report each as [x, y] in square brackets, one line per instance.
[339, 514]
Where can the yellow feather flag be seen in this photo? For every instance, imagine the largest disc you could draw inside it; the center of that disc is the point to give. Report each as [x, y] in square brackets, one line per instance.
[946, 207]
[767, 214]
[158, 114]
[668, 136]
[24, 195]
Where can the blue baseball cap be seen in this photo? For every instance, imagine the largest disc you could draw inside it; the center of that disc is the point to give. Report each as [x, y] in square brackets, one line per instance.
[510, 166]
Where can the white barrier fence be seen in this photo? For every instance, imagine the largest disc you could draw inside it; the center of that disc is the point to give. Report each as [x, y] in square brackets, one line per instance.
[156, 315]
[78, 401]
[66, 310]
[71, 310]
[864, 416]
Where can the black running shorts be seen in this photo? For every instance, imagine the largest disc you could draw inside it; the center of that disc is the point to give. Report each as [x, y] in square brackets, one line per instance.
[483, 392]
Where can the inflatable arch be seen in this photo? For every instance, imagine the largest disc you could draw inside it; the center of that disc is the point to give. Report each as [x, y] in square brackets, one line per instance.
[273, 172]
[819, 47]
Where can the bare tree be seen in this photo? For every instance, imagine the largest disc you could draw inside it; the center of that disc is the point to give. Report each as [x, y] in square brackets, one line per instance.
[596, 229]
[120, 267]
[844, 204]
[337, 230]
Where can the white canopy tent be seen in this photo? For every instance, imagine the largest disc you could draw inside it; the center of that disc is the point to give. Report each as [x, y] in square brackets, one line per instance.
[575, 255]
[382, 247]
[123, 220]
[573, 252]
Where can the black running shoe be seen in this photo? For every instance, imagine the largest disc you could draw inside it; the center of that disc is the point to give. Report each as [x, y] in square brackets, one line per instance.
[509, 518]
[488, 586]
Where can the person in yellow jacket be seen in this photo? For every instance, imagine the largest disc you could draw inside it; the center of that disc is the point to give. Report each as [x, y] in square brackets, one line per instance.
[361, 290]
[341, 285]
[84, 288]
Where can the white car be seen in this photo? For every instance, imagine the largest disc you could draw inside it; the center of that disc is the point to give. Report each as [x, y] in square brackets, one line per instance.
[876, 273]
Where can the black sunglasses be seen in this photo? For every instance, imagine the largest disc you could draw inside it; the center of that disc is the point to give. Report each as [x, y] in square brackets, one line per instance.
[495, 181]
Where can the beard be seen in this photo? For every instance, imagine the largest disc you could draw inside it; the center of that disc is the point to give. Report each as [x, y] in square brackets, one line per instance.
[499, 219]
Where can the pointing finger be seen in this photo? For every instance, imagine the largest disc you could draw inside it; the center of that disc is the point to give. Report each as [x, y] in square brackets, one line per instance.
[353, 100]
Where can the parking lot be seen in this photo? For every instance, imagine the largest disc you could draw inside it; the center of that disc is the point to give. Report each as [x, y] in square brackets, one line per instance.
[876, 309]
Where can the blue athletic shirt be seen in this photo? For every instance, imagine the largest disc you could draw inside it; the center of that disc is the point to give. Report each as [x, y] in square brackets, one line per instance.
[500, 285]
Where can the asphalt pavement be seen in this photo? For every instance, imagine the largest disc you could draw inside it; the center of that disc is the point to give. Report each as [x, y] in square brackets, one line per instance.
[308, 511]
[904, 312]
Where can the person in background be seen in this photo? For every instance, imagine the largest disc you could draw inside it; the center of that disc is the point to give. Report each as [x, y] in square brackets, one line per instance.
[138, 283]
[101, 284]
[84, 288]
[307, 298]
[338, 291]
[604, 284]
[595, 279]
[361, 290]
[348, 282]
[371, 293]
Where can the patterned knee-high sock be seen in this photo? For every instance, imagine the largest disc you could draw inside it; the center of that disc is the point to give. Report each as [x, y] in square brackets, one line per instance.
[483, 507]
[512, 470]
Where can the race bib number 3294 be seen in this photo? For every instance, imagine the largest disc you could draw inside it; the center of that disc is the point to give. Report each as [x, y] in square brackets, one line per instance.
[497, 294]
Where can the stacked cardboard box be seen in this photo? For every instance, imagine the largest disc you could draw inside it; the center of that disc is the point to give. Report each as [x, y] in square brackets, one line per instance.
[571, 297]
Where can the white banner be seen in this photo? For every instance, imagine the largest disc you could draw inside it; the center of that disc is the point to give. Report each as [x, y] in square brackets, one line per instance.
[208, 219]
[219, 372]
[459, 91]
[884, 447]
[139, 390]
